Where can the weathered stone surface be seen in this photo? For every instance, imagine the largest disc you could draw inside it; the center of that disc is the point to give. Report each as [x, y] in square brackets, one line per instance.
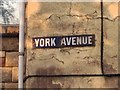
[9, 28]
[60, 19]
[73, 82]
[0, 45]
[13, 29]
[1, 29]
[11, 59]
[2, 62]
[2, 53]
[0, 75]
[11, 85]
[119, 41]
[14, 74]
[9, 44]
[111, 37]
[49, 21]
[6, 74]
[2, 85]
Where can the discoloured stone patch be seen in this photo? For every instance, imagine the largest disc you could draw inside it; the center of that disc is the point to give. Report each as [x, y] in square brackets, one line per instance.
[6, 75]
[12, 59]
[72, 82]
[9, 44]
[111, 38]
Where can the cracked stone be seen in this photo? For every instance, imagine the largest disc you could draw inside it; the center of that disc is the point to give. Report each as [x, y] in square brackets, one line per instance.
[76, 82]
[111, 38]
[65, 23]
[60, 19]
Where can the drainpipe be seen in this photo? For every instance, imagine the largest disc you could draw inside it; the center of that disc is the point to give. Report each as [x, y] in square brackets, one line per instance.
[21, 43]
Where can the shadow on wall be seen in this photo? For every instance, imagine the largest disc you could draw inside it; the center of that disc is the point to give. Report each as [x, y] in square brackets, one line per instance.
[46, 82]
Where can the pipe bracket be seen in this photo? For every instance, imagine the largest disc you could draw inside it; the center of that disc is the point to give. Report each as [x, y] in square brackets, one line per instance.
[21, 53]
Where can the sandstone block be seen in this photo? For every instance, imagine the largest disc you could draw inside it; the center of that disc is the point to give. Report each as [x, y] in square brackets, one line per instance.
[11, 86]
[13, 29]
[6, 74]
[2, 53]
[1, 29]
[73, 82]
[75, 19]
[111, 30]
[2, 85]
[9, 44]
[2, 62]
[12, 59]
[14, 74]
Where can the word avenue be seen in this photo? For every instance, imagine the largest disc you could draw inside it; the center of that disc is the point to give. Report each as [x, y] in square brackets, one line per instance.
[64, 41]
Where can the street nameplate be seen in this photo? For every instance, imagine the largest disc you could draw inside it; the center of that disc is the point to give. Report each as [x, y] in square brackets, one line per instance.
[64, 41]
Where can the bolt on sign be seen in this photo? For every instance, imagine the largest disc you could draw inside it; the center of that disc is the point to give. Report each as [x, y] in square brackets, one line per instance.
[64, 41]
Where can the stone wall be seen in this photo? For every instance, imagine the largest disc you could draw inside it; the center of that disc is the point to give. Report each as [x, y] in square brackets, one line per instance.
[56, 19]
[67, 19]
[9, 56]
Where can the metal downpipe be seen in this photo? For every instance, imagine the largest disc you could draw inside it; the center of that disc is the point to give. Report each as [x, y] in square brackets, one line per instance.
[21, 43]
